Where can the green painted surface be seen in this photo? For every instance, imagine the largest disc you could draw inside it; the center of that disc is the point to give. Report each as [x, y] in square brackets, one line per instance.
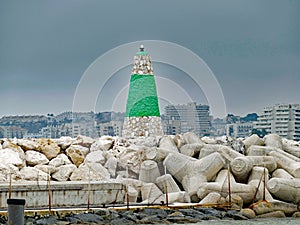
[142, 98]
[142, 53]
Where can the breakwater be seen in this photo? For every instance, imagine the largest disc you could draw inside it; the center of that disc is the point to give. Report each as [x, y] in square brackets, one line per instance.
[257, 176]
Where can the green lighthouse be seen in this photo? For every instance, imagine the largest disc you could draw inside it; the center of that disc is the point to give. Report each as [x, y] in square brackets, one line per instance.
[142, 109]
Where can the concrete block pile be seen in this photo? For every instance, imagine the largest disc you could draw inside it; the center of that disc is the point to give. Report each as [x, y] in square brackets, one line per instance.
[186, 167]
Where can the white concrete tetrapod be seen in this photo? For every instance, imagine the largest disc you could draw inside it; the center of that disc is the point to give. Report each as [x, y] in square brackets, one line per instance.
[246, 192]
[284, 162]
[281, 173]
[254, 139]
[287, 190]
[166, 183]
[273, 140]
[149, 171]
[190, 172]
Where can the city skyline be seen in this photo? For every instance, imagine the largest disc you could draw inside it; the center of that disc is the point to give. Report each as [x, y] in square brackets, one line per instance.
[47, 46]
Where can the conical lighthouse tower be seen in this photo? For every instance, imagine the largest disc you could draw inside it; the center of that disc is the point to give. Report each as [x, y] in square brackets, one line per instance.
[142, 110]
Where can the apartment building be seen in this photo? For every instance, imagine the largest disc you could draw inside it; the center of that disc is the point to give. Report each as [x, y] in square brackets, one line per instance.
[282, 119]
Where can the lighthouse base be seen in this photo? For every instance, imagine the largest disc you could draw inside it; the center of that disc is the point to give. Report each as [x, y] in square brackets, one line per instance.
[143, 126]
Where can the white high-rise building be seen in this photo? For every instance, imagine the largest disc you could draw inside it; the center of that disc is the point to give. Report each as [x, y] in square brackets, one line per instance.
[282, 119]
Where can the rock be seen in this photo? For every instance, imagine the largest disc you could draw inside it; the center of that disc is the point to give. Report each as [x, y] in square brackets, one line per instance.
[179, 140]
[275, 214]
[35, 158]
[131, 157]
[235, 215]
[168, 143]
[238, 145]
[149, 171]
[94, 171]
[121, 221]
[9, 156]
[64, 142]
[9, 170]
[14, 147]
[249, 213]
[150, 141]
[48, 147]
[77, 153]
[102, 144]
[155, 219]
[48, 220]
[64, 172]
[192, 213]
[253, 140]
[87, 218]
[176, 214]
[27, 144]
[152, 211]
[236, 200]
[33, 174]
[111, 165]
[212, 212]
[208, 140]
[60, 160]
[296, 215]
[95, 157]
[264, 207]
[65, 159]
[273, 140]
[46, 168]
[84, 141]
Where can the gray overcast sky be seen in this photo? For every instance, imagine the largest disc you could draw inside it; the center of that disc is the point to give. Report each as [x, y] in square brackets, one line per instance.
[252, 47]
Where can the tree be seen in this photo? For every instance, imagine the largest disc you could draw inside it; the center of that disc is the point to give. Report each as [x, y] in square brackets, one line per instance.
[260, 132]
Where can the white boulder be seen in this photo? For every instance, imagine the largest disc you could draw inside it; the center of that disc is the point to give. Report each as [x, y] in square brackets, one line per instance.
[64, 142]
[34, 158]
[9, 156]
[84, 141]
[33, 174]
[102, 144]
[60, 160]
[27, 144]
[95, 157]
[92, 171]
[64, 172]
[46, 168]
